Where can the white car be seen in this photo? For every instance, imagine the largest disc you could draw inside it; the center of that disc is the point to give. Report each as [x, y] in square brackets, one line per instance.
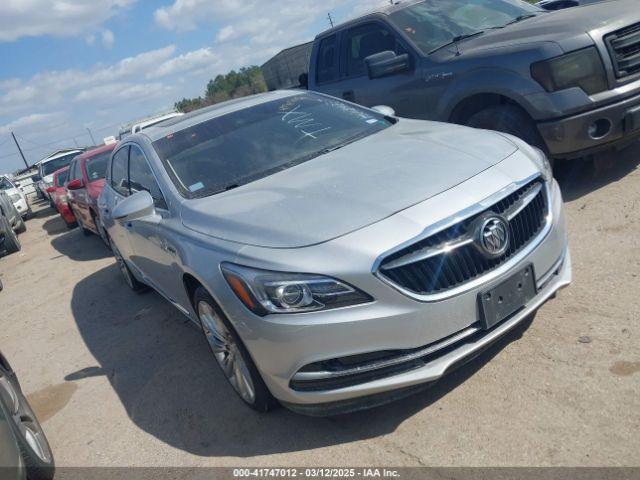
[50, 164]
[17, 196]
[149, 122]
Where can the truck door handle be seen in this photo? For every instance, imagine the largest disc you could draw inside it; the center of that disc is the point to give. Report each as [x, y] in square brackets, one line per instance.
[349, 96]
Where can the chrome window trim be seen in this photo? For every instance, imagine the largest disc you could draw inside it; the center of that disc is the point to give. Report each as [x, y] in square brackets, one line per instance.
[456, 218]
[376, 365]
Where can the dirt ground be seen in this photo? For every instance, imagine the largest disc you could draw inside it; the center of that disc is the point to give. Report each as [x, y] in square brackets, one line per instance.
[121, 379]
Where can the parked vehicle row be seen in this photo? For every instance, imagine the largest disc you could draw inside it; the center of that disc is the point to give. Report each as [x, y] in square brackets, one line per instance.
[48, 165]
[17, 196]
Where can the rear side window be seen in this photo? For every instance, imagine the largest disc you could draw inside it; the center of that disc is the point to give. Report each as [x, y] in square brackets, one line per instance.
[119, 171]
[367, 40]
[327, 66]
[141, 177]
[96, 166]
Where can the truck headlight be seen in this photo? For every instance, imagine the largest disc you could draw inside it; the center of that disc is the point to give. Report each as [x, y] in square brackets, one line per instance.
[265, 292]
[15, 197]
[582, 68]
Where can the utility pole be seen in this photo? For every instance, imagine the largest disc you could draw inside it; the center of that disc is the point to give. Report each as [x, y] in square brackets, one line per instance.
[20, 150]
[330, 19]
[93, 141]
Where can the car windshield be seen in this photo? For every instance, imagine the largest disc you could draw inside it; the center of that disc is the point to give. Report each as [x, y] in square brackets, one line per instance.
[252, 143]
[5, 184]
[434, 23]
[97, 166]
[52, 165]
[61, 178]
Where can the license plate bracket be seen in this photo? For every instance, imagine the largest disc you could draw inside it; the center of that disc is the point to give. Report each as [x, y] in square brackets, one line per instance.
[506, 298]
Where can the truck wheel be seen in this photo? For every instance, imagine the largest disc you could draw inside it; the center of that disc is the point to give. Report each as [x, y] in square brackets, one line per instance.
[508, 119]
[11, 242]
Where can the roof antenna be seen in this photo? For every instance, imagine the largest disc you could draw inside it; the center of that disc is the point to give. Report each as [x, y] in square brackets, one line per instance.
[330, 19]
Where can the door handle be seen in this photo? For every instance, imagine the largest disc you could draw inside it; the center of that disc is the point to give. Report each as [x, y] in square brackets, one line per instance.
[128, 225]
[349, 95]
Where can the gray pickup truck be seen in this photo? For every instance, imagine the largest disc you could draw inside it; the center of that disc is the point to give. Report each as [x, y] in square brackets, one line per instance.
[566, 81]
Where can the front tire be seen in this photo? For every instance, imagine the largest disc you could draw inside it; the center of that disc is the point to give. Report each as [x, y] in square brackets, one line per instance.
[22, 226]
[133, 283]
[508, 119]
[32, 442]
[231, 355]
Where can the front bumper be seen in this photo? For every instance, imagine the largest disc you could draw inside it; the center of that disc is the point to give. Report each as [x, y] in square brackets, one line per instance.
[571, 137]
[282, 346]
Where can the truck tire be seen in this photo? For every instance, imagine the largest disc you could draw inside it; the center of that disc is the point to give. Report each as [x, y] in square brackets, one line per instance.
[11, 242]
[508, 119]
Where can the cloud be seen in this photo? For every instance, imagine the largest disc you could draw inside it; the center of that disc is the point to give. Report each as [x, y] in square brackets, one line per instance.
[59, 18]
[204, 58]
[107, 94]
[31, 120]
[107, 38]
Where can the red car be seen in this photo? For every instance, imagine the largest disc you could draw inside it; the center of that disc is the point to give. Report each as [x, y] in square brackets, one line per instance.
[58, 194]
[85, 183]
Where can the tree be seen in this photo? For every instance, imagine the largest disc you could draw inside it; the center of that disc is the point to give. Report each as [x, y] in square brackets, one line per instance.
[246, 81]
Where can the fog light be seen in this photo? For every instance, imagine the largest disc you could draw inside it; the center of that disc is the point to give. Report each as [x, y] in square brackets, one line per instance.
[600, 128]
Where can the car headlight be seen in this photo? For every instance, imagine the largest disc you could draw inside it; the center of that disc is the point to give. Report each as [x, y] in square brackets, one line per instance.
[14, 197]
[582, 68]
[264, 292]
[543, 164]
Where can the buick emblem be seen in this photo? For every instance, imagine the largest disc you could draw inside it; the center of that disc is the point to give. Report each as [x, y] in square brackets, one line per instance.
[493, 236]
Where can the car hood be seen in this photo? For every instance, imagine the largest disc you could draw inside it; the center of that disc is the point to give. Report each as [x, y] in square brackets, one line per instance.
[569, 28]
[349, 188]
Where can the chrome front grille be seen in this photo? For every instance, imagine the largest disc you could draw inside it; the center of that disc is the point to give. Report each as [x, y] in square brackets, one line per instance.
[624, 48]
[451, 257]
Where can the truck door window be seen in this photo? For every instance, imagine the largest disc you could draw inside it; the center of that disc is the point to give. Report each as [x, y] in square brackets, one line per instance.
[365, 40]
[327, 66]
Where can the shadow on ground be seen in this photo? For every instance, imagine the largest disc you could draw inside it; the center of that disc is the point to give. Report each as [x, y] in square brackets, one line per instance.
[162, 370]
[580, 177]
[74, 244]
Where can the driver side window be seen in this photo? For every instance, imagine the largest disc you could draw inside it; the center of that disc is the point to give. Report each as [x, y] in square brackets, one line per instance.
[365, 40]
[141, 177]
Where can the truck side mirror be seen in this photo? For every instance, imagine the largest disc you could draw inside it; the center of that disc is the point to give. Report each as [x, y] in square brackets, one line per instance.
[303, 79]
[386, 63]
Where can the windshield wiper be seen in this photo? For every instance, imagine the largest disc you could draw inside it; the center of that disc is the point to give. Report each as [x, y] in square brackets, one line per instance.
[457, 39]
[521, 18]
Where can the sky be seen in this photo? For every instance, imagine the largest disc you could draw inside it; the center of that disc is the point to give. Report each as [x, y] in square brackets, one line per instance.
[73, 65]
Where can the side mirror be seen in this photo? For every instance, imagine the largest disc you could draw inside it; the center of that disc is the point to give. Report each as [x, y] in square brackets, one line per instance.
[386, 63]
[303, 79]
[51, 189]
[75, 184]
[138, 205]
[384, 110]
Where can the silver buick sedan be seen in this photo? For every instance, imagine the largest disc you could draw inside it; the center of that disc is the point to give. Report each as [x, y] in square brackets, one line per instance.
[336, 257]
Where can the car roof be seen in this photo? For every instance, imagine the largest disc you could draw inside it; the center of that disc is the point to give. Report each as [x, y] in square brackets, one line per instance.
[382, 9]
[196, 117]
[58, 154]
[96, 151]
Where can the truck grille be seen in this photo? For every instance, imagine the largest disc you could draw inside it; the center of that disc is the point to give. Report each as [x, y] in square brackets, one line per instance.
[451, 258]
[624, 47]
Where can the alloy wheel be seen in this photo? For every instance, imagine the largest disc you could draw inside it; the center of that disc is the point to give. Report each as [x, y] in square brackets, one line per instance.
[227, 352]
